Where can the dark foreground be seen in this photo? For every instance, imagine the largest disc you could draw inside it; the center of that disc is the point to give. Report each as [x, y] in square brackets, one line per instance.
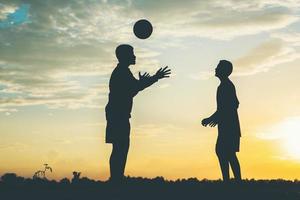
[12, 187]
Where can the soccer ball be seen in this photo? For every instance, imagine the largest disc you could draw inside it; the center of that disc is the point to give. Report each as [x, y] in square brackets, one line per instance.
[142, 29]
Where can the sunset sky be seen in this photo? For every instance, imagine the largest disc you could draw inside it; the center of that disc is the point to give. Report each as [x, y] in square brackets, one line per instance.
[56, 58]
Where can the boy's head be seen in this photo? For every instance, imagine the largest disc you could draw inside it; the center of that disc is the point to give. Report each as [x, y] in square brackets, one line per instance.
[125, 54]
[224, 69]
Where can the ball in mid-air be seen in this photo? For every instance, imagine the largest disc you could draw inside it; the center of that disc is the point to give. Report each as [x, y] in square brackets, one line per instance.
[142, 29]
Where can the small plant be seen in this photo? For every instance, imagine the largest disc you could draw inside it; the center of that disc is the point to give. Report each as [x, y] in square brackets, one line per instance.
[76, 176]
[41, 174]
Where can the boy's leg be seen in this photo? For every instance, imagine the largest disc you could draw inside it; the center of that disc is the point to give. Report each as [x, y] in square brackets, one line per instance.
[120, 150]
[223, 160]
[118, 159]
[235, 166]
[114, 161]
[123, 156]
[124, 147]
[224, 165]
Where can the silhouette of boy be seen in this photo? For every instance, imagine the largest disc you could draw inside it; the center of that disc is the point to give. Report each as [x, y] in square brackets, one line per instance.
[123, 86]
[226, 117]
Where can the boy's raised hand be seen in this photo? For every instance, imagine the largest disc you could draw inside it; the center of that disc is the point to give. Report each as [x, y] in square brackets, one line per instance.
[163, 73]
[144, 76]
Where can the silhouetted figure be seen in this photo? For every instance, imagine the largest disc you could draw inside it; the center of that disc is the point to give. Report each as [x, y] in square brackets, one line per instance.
[226, 117]
[123, 86]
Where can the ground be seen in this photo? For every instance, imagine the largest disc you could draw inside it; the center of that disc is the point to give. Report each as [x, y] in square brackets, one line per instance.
[13, 187]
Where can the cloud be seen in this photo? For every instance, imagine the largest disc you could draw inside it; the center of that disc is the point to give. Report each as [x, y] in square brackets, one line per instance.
[10, 16]
[203, 75]
[293, 38]
[280, 48]
[71, 99]
[41, 62]
[217, 19]
[7, 110]
[64, 56]
[163, 86]
[268, 54]
[5, 10]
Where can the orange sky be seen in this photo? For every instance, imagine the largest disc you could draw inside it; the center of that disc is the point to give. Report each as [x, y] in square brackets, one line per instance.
[55, 64]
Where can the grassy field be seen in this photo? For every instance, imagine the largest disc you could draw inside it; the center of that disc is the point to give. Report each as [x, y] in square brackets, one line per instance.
[14, 187]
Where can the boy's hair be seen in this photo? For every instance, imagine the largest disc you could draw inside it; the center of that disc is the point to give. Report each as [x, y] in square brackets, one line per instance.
[226, 67]
[122, 51]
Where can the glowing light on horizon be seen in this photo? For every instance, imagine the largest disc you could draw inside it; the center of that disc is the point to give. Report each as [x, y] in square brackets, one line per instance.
[288, 133]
